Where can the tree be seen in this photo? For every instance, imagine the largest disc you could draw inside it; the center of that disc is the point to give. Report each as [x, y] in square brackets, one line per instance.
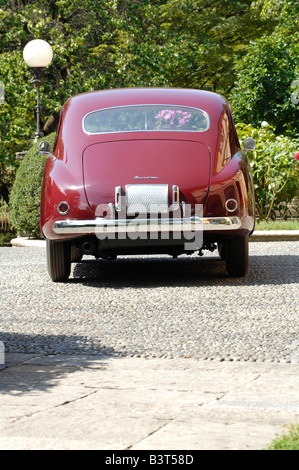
[204, 38]
[267, 74]
[85, 36]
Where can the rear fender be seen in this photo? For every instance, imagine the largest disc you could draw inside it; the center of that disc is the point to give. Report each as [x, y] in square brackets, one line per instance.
[60, 184]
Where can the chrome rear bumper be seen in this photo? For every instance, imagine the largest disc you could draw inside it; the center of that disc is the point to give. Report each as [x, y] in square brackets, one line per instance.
[115, 226]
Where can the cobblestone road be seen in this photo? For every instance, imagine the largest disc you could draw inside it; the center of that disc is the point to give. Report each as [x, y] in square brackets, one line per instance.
[154, 307]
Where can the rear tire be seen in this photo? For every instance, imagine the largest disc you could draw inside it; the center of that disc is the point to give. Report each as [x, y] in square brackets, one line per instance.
[58, 260]
[236, 252]
[222, 250]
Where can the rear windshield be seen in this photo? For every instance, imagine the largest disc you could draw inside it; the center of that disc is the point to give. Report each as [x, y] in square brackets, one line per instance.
[146, 118]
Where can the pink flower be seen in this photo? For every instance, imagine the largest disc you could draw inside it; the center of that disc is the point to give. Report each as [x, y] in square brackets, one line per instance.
[296, 156]
[173, 117]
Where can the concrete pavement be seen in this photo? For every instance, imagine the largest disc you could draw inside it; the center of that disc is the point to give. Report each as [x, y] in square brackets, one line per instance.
[78, 402]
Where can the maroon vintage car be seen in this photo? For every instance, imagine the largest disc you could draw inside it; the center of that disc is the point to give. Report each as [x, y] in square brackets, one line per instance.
[143, 171]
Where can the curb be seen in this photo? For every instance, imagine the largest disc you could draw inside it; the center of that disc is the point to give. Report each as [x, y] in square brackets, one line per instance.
[29, 242]
[274, 235]
[257, 236]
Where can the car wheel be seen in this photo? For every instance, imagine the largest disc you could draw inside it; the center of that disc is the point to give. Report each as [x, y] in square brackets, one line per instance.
[58, 260]
[237, 256]
[222, 250]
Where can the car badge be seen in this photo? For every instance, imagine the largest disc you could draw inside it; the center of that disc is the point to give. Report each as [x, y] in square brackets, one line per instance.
[146, 177]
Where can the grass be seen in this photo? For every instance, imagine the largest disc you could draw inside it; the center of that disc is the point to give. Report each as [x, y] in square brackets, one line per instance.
[291, 224]
[287, 441]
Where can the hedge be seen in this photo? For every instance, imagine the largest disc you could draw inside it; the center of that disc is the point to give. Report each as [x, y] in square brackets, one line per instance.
[24, 202]
[274, 169]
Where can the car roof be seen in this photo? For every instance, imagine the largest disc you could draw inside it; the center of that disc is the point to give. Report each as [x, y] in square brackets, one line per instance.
[91, 101]
[71, 134]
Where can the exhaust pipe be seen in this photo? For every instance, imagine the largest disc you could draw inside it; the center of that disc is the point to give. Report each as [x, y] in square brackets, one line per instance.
[88, 247]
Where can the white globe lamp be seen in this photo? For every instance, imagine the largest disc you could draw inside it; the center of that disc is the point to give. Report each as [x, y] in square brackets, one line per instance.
[38, 54]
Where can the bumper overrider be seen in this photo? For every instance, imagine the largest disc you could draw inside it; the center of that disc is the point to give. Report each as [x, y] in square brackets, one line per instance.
[102, 227]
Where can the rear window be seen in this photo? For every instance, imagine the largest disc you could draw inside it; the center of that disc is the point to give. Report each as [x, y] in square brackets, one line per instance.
[146, 118]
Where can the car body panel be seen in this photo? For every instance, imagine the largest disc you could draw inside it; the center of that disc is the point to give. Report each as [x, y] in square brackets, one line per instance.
[119, 163]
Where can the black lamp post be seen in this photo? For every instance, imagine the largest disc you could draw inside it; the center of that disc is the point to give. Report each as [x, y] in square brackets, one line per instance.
[37, 54]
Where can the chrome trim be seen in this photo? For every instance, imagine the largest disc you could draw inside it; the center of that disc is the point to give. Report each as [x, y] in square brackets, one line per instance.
[101, 225]
[111, 210]
[175, 197]
[117, 204]
[67, 209]
[235, 206]
[146, 177]
[147, 198]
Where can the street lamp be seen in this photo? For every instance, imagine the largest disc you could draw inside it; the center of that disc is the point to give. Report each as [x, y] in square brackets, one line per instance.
[37, 54]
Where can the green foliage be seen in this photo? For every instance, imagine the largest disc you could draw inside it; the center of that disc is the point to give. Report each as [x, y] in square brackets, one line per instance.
[7, 175]
[83, 35]
[5, 238]
[287, 441]
[267, 74]
[206, 37]
[264, 86]
[24, 204]
[274, 168]
[101, 44]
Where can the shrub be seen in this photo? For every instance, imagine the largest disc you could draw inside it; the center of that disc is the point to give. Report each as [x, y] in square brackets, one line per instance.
[24, 202]
[287, 441]
[274, 168]
[263, 87]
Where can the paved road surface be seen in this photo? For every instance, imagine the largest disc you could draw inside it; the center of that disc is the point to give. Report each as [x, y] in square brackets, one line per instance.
[149, 353]
[154, 307]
